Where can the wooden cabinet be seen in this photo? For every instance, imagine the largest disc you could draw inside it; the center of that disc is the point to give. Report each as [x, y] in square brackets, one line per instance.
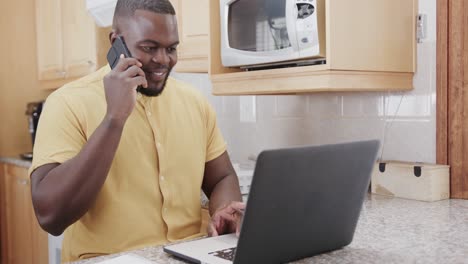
[3, 229]
[23, 241]
[66, 42]
[193, 24]
[370, 46]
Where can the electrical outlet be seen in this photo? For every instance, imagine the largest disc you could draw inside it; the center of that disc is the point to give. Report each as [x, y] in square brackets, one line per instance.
[248, 109]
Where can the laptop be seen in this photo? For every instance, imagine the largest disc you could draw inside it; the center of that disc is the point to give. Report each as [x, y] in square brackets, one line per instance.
[302, 202]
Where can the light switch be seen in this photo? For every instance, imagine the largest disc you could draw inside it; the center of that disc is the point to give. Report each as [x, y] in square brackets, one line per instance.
[421, 27]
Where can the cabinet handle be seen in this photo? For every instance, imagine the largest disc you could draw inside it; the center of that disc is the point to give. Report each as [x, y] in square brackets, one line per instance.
[23, 181]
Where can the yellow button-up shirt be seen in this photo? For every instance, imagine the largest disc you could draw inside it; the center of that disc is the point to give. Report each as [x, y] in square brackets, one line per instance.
[152, 192]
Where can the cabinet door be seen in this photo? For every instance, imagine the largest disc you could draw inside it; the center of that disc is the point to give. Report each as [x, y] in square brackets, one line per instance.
[3, 229]
[40, 247]
[66, 46]
[79, 39]
[27, 243]
[192, 17]
[18, 216]
[49, 40]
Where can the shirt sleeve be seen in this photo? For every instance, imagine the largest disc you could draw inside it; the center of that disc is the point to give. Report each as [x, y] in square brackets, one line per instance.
[59, 136]
[215, 142]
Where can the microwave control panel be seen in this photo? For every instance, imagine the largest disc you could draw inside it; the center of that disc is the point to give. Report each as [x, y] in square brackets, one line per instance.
[306, 23]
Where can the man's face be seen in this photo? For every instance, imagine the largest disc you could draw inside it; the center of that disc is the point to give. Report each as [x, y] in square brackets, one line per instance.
[152, 39]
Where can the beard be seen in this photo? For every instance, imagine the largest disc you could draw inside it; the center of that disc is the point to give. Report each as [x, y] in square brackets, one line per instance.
[152, 91]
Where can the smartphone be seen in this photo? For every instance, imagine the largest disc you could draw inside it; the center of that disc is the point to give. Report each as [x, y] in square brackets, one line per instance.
[117, 48]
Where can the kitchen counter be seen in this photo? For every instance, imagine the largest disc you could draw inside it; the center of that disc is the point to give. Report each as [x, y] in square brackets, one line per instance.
[390, 230]
[16, 161]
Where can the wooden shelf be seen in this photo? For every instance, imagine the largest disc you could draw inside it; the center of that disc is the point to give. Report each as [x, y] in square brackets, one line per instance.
[308, 79]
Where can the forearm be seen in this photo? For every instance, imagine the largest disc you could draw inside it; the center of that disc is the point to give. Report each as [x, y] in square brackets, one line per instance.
[68, 191]
[224, 192]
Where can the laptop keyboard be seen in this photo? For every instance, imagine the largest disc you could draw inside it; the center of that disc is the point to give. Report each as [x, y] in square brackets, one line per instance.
[227, 253]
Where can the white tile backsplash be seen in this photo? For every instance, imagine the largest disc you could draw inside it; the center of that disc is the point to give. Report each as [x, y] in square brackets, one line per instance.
[291, 106]
[348, 129]
[283, 132]
[266, 107]
[229, 108]
[407, 105]
[362, 104]
[407, 119]
[412, 139]
[325, 106]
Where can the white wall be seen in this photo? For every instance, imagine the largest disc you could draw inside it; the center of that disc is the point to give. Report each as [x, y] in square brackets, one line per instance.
[320, 118]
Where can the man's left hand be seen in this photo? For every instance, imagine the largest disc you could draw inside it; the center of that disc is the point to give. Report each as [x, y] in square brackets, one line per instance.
[227, 219]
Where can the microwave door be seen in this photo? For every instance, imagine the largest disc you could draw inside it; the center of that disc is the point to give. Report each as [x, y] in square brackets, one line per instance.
[258, 25]
[256, 32]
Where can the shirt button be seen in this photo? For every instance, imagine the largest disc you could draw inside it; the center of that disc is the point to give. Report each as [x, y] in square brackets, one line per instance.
[158, 145]
[148, 113]
[162, 178]
[165, 209]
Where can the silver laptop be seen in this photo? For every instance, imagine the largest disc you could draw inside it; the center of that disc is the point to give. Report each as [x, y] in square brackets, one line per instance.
[302, 202]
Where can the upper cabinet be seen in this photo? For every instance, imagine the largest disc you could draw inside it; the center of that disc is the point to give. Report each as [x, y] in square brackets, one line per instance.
[369, 46]
[192, 17]
[66, 42]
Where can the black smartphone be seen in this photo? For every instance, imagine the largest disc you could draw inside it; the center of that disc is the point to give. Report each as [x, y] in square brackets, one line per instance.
[117, 48]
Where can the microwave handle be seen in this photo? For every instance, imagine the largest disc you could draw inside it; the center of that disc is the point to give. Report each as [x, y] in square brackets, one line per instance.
[291, 19]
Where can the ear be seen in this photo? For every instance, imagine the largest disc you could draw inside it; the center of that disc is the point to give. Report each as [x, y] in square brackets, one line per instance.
[112, 36]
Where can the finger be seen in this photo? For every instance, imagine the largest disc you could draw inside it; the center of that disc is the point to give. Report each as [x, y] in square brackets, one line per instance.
[236, 207]
[223, 223]
[125, 63]
[135, 71]
[212, 230]
[139, 80]
[227, 216]
[227, 223]
[230, 212]
[238, 225]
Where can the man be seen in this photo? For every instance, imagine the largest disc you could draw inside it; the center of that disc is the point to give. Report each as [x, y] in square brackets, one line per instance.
[118, 170]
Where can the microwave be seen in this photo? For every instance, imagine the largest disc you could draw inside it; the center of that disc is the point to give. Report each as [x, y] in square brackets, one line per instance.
[256, 33]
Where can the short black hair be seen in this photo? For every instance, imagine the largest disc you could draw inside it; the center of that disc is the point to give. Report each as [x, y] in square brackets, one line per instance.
[128, 7]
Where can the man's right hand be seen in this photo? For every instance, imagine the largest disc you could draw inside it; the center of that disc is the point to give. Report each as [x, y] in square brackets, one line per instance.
[120, 87]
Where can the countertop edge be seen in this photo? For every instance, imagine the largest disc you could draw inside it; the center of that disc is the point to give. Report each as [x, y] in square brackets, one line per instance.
[16, 161]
